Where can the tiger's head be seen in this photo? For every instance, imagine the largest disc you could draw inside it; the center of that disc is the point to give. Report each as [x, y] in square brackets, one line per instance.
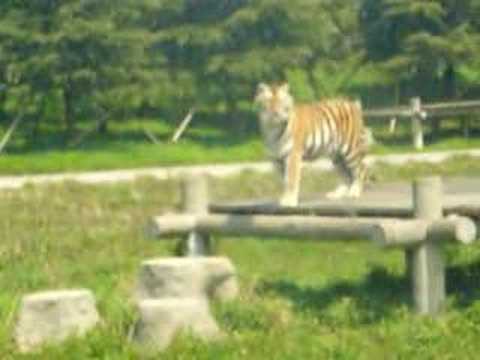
[275, 102]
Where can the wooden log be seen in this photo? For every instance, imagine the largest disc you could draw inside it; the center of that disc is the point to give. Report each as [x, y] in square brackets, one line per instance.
[171, 225]
[472, 212]
[195, 194]
[407, 234]
[417, 126]
[327, 209]
[195, 202]
[78, 140]
[150, 135]
[460, 229]
[384, 232]
[337, 209]
[183, 125]
[9, 132]
[427, 267]
[261, 225]
[467, 106]
[465, 124]
[433, 110]
[392, 124]
[399, 111]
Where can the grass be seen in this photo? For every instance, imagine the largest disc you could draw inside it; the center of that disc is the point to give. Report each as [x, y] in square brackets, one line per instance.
[299, 300]
[127, 146]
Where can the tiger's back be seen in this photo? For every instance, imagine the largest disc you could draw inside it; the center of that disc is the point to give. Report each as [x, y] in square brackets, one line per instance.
[330, 127]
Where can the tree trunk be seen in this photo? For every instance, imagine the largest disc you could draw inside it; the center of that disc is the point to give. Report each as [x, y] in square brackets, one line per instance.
[103, 127]
[40, 114]
[449, 93]
[237, 124]
[449, 81]
[311, 79]
[68, 115]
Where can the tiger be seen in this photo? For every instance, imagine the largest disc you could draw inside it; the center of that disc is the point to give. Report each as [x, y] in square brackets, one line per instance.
[293, 133]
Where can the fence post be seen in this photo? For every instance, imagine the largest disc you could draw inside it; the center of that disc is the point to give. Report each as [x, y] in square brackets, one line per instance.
[466, 127]
[195, 201]
[417, 126]
[425, 263]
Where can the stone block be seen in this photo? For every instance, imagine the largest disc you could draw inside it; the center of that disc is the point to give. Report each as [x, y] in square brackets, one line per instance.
[209, 277]
[160, 320]
[52, 316]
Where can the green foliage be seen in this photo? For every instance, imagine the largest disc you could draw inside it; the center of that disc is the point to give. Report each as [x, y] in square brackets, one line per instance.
[300, 85]
[86, 59]
[76, 62]
[423, 45]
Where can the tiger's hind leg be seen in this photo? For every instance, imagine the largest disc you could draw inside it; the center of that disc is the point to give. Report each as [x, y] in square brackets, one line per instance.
[360, 176]
[353, 173]
[355, 189]
[342, 190]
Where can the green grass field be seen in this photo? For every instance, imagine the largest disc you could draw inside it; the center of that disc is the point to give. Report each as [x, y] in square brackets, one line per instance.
[299, 300]
[127, 146]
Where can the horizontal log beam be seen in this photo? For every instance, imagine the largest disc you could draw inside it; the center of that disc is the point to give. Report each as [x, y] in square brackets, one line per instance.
[388, 112]
[311, 210]
[436, 109]
[458, 228]
[269, 208]
[384, 232]
[469, 105]
[260, 225]
[407, 233]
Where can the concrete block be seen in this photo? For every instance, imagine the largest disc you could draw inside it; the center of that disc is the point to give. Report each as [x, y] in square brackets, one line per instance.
[52, 316]
[160, 320]
[209, 277]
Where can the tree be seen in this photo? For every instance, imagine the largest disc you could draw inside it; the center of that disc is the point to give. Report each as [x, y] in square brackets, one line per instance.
[421, 44]
[79, 55]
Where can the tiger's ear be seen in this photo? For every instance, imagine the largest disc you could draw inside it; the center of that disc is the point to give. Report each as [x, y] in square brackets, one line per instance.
[263, 92]
[284, 88]
[262, 87]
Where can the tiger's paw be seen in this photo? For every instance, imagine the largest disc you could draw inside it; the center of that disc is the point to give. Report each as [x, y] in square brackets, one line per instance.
[340, 192]
[355, 191]
[288, 200]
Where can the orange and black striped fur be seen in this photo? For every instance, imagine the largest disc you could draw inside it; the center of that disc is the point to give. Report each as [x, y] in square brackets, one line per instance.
[293, 133]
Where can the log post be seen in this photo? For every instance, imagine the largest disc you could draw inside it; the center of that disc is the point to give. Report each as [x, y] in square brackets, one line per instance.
[425, 263]
[466, 127]
[392, 124]
[417, 126]
[195, 202]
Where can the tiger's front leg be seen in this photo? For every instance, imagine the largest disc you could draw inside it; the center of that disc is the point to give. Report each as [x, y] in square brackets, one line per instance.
[292, 168]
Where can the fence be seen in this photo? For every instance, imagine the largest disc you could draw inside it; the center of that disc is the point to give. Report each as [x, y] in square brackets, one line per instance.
[420, 236]
[419, 112]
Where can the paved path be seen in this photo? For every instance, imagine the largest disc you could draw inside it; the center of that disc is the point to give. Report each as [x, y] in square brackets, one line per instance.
[460, 195]
[98, 177]
[457, 191]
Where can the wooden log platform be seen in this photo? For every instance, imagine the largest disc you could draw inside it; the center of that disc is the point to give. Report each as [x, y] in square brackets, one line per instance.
[354, 209]
[461, 197]
[383, 231]
[417, 218]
